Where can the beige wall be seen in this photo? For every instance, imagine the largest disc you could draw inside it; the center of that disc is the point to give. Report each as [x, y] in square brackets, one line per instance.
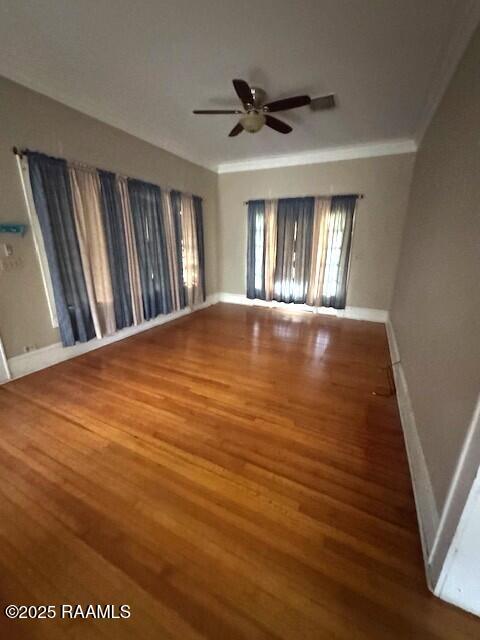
[436, 305]
[28, 119]
[385, 181]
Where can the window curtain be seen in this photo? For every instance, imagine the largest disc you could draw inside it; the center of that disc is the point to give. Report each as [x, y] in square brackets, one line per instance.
[174, 260]
[270, 247]
[191, 266]
[198, 210]
[340, 229]
[147, 213]
[320, 236]
[53, 203]
[132, 256]
[117, 250]
[256, 250]
[85, 187]
[176, 202]
[294, 249]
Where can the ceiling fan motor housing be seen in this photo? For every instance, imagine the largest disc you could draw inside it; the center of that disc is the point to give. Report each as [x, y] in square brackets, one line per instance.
[259, 96]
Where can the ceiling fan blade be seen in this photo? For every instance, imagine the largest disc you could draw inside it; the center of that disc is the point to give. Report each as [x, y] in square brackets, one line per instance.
[324, 102]
[216, 111]
[238, 128]
[288, 103]
[278, 125]
[243, 91]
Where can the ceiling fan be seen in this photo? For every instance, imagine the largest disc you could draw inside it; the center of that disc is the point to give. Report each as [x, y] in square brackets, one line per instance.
[256, 114]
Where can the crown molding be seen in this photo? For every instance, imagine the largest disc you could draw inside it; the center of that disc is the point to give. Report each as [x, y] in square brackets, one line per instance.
[466, 22]
[333, 154]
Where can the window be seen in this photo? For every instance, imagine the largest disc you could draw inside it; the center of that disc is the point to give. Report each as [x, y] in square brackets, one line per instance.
[299, 250]
[109, 247]
[190, 256]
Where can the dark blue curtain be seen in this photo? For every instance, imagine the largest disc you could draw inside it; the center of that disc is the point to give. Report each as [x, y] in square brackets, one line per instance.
[176, 200]
[117, 250]
[197, 206]
[294, 249]
[256, 250]
[53, 203]
[147, 214]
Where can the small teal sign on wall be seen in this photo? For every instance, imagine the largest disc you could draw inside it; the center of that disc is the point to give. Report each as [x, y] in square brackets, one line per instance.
[12, 227]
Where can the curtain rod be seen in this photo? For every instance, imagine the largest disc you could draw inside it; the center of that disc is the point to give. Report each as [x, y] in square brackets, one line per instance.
[360, 196]
[23, 152]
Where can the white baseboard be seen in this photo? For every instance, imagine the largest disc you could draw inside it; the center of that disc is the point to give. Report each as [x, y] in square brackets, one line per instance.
[426, 507]
[354, 313]
[26, 363]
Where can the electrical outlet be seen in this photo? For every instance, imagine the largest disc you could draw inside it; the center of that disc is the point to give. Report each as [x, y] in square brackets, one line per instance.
[29, 347]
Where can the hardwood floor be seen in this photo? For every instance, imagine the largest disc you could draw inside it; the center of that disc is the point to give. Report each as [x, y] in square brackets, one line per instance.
[229, 475]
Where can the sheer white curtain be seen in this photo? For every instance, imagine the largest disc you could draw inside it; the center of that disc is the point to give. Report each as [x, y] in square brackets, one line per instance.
[270, 247]
[173, 258]
[319, 251]
[191, 266]
[85, 187]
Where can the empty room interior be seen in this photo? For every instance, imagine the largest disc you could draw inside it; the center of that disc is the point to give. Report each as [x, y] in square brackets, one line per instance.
[239, 319]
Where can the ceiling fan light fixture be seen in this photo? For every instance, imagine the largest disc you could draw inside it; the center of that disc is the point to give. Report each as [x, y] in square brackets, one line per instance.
[257, 113]
[252, 121]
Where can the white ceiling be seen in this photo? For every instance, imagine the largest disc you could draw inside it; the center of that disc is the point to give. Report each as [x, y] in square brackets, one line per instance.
[143, 65]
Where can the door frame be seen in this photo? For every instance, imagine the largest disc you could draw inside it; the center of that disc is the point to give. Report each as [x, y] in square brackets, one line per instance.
[5, 374]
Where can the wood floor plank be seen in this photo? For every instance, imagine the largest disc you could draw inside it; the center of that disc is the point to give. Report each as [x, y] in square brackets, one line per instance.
[229, 475]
